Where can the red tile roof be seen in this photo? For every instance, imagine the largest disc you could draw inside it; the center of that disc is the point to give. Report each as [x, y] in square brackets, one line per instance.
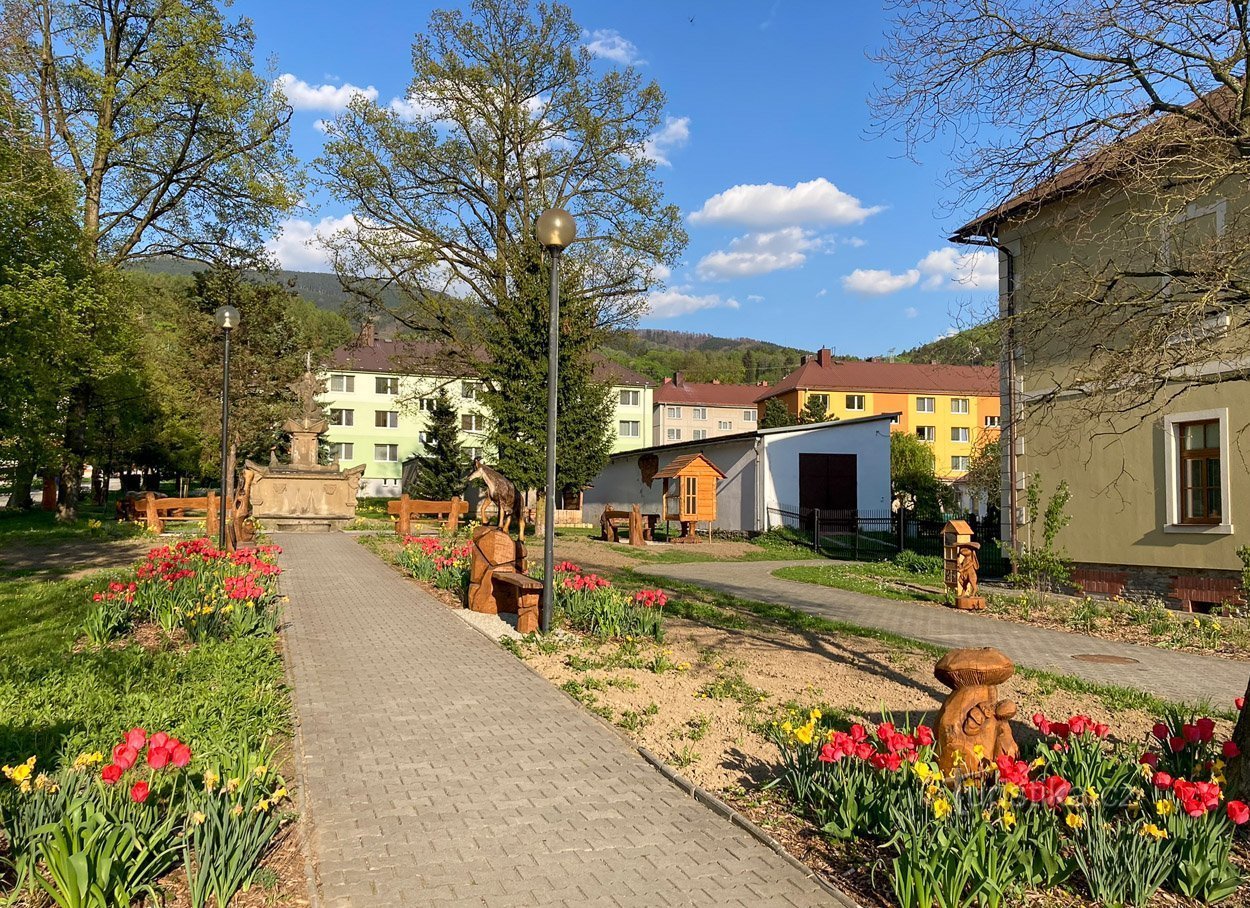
[677, 391]
[823, 373]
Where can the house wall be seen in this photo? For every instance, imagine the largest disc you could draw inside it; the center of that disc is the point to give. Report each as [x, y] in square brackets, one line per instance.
[740, 419]
[868, 441]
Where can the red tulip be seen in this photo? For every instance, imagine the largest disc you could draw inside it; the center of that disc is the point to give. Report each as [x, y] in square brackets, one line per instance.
[1206, 729]
[1162, 781]
[1150, 759]
[1060, 729]
[1238, 812]
[1078, 724]
[158, 739]
[924, 735]
[1240, 703]
[1231, 749]
[1034, 791]
[1042, 723]
[136, 738]
[1161, 731]
[1101, 729]
[139, 792]
[157, 757]
[181, 755]
[1190, 733]
[1176, 743]
[126, 758]
[111, 773]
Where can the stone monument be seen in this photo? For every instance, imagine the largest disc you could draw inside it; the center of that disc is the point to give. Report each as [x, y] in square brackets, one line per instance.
[304, 495]
[973, 726]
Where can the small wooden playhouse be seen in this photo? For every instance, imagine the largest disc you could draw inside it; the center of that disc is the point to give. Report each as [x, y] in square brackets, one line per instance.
[690, 492]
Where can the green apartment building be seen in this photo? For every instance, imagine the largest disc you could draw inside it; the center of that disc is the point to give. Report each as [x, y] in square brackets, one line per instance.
[377, 392]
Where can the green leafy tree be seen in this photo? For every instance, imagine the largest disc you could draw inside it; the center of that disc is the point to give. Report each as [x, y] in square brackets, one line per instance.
[776, 415]
[1038, 563]
[507, 116]
[984, 476]
[441, 470]
[912, 470]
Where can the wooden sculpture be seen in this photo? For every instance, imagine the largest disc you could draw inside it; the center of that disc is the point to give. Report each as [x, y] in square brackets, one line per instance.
[497, 579]
[960, 555]
[499, 490]
[973, 725]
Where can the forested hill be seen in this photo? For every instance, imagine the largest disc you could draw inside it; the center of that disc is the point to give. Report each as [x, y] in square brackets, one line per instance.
[977, 346]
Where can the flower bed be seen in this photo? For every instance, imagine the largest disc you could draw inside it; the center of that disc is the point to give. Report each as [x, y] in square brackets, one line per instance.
[1081, 813]
[193, 588]
[591, 604]
[442, 561]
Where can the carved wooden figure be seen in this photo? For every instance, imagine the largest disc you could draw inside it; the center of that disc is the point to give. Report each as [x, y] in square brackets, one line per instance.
[973, 725]
[497, 578]
[499, 490]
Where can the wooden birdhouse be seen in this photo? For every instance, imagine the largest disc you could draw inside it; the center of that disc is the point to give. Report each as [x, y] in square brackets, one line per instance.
[690, 492]
[959, 553]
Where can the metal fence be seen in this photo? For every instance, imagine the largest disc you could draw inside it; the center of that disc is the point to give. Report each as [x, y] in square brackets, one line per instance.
[877, 535]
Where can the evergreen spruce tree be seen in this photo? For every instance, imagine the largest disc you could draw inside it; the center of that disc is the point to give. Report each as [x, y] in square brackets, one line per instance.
[440, 472]
[815, 410]
[776, 415]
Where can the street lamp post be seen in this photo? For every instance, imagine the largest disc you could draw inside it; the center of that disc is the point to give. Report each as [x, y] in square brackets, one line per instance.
[227, 318]
[555, 230]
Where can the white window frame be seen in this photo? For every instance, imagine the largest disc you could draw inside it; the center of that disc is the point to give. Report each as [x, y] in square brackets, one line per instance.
[469, 390]
[629, 428]
[724, 425]
[477, 423]
[993, 422]
[475, 453]
[672, 412]
[698, 412]
[855, 402]
[391, 421]
[699, 435]
[1172, 469]
[1213, 324]
[343, 450]
[387, 459]
[750, 416]
[392, 381]
[347, 417]
[964, 458]
[926, 404]
[673, 435]
[346, 380]
[927, 433]
[896, 419]
[960, 405]
[426, 404]
[631, 397]
[961, 435]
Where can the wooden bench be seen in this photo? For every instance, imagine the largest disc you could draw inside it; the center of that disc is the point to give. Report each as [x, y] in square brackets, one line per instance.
[639, 532]
[518, 594]
[156, 512]
[405, 509]
[1100, 582]
[1207, 591]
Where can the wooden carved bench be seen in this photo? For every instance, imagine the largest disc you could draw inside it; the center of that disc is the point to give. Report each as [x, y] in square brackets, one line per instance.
[1207, 591]
[1100, 582]
[156, 512]
[405, 509]
[518, 594]
[641, 526]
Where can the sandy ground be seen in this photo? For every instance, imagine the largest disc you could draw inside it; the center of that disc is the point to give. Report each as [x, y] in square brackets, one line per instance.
[74, 557]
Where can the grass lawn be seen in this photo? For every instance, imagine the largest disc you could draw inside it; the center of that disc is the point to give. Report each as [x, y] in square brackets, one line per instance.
[876, 578]
[35, 527]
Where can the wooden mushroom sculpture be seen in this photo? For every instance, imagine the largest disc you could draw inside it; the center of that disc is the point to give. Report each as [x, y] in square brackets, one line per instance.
[973, 724]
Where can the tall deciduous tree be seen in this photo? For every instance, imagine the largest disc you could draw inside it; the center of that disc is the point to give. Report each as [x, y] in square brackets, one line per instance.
[912, 470]
[443, 466]
[178, 146]
[506, 115]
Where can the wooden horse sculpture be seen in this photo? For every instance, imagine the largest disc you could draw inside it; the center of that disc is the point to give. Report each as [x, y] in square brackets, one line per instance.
[499, 490]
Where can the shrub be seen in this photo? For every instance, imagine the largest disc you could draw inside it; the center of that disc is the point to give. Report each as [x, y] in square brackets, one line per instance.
[914, 563]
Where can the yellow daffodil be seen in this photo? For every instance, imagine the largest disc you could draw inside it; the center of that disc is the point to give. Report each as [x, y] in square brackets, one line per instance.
[986, 815]
[236, 810]
[979, 752]
[1165, 808]
[1218, 765]
[1009, 819]
[1074, 820]
[262, 806]
[1146, 770]
[233, 785]
[1039, 762]
[43, 782]
[1091, 795]
[19, 773]
[815, 715]
[922, 770]
[198, 817]
[279, 794]
[260, 771]
[787, 727]
[1154, 832]
[932, 789]
[210, 780]
[804, 733]
[85, 760]
[1011, 790]
[941, 808]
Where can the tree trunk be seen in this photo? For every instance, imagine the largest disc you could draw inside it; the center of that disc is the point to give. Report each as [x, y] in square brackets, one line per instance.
[1237, 773]
[75, 453]
[19, 494]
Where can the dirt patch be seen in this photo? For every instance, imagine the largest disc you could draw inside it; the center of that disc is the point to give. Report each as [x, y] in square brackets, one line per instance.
[73, 558]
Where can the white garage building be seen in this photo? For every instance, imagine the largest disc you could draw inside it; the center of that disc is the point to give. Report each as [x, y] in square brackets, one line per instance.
[842, 465]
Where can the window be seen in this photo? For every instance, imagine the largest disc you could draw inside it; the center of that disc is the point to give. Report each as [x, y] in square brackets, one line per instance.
[959, 405]
[992, 422]
[698, 413]
[472, 422]
[855, 401]
[629, 428]
[386, 384]
[959, 463]
[924, 405]
[1193, 244]
[342, 417]
[469, 390]
[386, 419]
[750, 415]
[672, 412]
[1197, 475]
[342, 450]
[426, 404]
[673, 435]
[926, 433]
[699, 434]
[896, 419]
[818, 400]
[724, 425]
[386, 453]
[345, 384]
[631, 398]
[691, 503]
[475, 453]
[960, 434]
[423, 437]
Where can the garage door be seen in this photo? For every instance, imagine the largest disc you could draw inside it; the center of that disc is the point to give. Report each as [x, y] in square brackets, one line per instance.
[828, 482]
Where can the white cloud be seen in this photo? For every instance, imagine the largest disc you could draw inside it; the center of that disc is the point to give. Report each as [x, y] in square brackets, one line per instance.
[755, 298]
[941, 269]
[608, 44]
[854, 241]
[824, 291]
[671, 303]
[879, 282]
[297, 246]
[911, 312]
[303, 96]
[769, 205]
[674, 134]
[758, 253]
[322, 126]
[660, 273]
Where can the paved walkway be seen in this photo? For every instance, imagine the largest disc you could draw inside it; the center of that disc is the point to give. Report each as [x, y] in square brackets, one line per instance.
[439, 769]
[1164, 673]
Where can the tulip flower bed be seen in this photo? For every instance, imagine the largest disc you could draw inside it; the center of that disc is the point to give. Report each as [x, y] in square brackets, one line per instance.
[443, 562]
[1082, 815]
[192, 588]
[102, 834]
[591, 604]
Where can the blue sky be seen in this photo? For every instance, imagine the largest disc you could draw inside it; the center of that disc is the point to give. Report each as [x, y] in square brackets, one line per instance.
[804, 229]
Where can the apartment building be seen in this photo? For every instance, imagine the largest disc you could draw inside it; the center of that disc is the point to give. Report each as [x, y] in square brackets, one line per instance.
[951, 407]
[694, 411]
[378, 391]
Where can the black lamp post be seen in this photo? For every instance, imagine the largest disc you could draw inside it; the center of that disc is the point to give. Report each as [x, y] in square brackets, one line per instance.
[227, 318]
[555, 230]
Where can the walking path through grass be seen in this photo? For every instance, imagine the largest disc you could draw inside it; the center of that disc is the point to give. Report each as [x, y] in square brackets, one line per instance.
[1181, 677]
[438, 768]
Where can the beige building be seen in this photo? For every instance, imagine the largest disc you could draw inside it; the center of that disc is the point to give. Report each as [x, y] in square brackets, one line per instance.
[695, 411]
[1123, 367]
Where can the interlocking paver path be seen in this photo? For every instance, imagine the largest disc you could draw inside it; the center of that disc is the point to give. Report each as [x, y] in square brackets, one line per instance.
[1164, 673]
[439, 769]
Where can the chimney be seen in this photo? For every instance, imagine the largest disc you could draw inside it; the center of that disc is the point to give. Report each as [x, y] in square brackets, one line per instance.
[803, 359]
[679, 379]
[667, 380]
[824, 357]
[368, 334]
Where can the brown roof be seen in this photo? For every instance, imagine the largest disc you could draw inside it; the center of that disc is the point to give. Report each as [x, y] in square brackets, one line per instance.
[823, 373]
[678, 391]
[414, 357]
[680, 463]
[1169, 131]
